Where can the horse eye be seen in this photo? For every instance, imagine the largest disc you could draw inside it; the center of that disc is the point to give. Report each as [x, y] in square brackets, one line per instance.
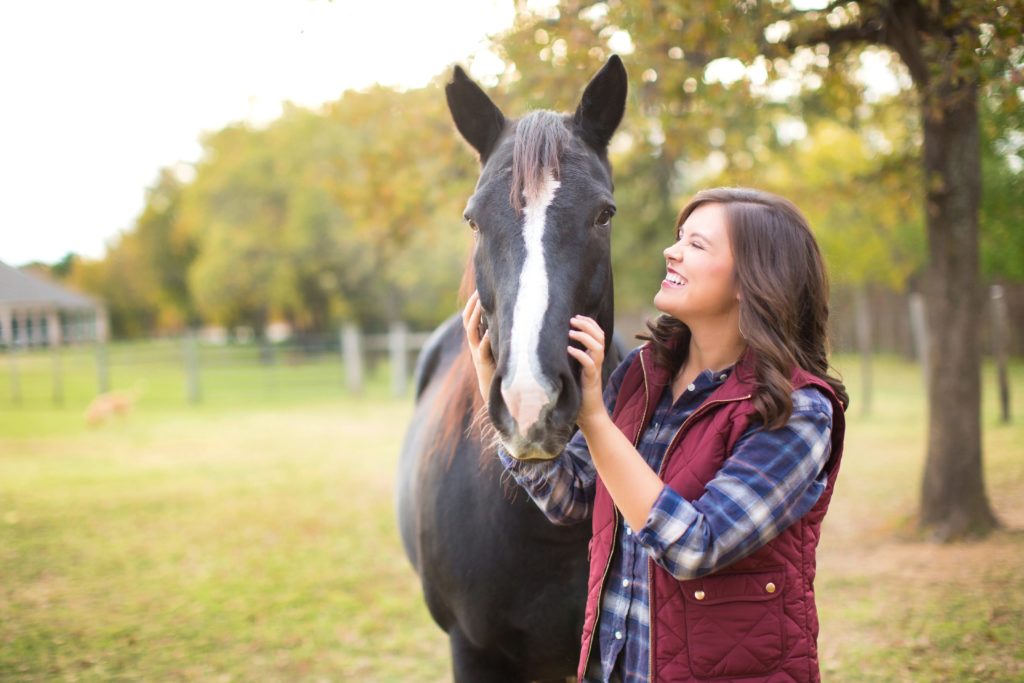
[604, 218]
[472, 225]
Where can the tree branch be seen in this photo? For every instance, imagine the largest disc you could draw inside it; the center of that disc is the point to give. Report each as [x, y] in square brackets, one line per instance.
[869, 30]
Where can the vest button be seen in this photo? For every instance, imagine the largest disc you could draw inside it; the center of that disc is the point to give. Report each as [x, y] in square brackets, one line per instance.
[770, 587]
[699, 595]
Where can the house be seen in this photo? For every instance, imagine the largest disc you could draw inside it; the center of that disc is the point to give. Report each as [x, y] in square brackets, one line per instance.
[37, 312]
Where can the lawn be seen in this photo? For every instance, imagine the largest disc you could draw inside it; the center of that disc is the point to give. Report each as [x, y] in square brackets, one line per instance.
[254, 540]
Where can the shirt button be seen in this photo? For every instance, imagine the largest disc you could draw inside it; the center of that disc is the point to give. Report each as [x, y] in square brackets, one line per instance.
[625, 584]
[629, 532]
[722, 377]
[618, 635]
[691, 387]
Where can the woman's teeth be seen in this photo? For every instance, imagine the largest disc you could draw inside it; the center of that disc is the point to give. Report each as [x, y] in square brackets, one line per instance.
[675, 279]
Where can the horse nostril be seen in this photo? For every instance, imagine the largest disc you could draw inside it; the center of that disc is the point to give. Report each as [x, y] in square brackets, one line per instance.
[497, 409]
[568, 402]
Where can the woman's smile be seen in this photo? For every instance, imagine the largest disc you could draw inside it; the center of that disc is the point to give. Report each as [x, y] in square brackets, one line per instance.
[673, 280]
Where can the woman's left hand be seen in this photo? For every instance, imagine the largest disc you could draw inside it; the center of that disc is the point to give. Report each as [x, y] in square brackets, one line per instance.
[588, 333]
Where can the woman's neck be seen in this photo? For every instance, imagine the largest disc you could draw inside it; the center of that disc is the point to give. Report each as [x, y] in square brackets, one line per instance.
[714, 348]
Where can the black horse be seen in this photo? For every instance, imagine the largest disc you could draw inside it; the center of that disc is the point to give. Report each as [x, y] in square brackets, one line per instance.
[503, 582]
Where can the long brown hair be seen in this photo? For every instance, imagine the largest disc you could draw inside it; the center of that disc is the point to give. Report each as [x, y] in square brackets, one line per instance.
[784, 293]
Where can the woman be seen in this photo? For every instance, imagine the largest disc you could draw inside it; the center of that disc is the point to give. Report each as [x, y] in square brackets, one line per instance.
[708, 463]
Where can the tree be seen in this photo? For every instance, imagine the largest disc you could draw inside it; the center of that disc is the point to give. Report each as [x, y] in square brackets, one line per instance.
[719, 78]
[166, 251]
[348, 212]
[949, 48]
[125, 284]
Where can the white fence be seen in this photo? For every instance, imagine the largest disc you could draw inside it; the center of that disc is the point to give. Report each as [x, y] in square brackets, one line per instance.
[399, 342]
[172, 370]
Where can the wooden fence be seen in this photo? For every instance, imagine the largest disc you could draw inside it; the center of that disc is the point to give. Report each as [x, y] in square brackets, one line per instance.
[191, 369]
[866, 322]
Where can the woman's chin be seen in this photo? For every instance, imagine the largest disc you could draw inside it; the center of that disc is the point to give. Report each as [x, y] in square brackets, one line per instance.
[664, 306]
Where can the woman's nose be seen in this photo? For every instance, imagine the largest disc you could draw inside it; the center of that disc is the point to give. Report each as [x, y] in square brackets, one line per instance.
[672, 252]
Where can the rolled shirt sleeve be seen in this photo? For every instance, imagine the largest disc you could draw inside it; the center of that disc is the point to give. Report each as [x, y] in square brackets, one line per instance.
[771, 479]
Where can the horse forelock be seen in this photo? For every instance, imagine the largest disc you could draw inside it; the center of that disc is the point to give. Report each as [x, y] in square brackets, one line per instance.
[540, 138]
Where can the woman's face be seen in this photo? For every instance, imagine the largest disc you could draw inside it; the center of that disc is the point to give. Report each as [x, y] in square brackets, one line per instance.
[700, 283]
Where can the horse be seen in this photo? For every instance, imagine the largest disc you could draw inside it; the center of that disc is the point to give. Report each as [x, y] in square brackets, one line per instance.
[507, 585]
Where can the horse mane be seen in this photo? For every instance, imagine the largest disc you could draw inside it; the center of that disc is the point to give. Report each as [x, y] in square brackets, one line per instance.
[458, 395]
[540, 138]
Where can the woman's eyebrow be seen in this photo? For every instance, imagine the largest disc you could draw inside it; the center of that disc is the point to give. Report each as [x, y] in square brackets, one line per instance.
[694, 234]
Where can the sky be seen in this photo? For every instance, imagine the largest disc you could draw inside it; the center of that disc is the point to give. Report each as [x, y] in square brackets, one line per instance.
[97, 96]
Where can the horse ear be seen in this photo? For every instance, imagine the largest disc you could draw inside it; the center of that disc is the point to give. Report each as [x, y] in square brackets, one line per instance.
[603, 103]
[478, 119]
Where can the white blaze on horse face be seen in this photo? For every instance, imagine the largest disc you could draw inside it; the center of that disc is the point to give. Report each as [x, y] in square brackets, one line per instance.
[524, 388]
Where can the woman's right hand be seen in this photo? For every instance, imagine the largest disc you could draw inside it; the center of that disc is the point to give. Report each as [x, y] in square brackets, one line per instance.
[479, 347]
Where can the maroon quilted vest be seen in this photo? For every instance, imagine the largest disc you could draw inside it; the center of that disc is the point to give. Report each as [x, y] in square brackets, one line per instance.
[754, 620]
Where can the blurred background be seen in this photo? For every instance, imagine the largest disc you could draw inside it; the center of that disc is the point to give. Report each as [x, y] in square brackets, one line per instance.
[227, 228]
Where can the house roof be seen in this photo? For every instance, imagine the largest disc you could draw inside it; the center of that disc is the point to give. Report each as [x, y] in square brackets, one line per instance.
[19, 288]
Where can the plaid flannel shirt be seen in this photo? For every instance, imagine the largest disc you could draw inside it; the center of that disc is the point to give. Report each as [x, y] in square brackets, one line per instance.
[769, 481]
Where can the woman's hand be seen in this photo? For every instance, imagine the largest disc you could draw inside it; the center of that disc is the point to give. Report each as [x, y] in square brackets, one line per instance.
[588, 333]
[479, 347]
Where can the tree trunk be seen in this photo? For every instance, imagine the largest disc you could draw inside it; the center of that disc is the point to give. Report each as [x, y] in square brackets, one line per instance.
[864, 345]
[953, 499]
[1000, 349]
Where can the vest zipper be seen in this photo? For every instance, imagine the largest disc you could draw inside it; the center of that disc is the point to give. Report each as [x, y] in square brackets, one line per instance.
[650, 560]
[615, 528]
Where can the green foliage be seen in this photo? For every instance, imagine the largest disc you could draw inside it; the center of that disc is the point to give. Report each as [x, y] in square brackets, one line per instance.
[126, 286]
[166, 253]
[1002, 209]
[352, 212]
[864, 206]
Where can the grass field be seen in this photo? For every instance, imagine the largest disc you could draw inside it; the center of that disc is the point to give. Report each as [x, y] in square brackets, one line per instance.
[255, 540]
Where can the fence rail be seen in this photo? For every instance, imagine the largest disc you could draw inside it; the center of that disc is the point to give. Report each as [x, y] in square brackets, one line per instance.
[191, 370]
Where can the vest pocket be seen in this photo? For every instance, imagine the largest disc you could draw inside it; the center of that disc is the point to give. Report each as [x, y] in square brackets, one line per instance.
[734, 623]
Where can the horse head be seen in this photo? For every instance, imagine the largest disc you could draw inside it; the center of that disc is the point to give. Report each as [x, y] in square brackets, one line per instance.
[541, 217]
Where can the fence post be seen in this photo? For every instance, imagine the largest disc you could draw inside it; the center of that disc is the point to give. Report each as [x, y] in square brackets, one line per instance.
[192, 387]
[268, 360]
[102, 367]
[12, 362]
[352, 357]
[58, 376]
[919, 327]
[398, 351]
[1000, 342]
